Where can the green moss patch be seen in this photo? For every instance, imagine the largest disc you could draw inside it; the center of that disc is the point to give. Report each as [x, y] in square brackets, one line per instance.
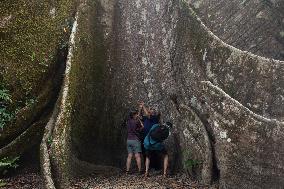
[29, 43]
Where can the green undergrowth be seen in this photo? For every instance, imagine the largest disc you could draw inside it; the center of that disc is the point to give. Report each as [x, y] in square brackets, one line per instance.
[6, 115]
[7, 164]
[8, 108]
[189, 161]
[192, 164]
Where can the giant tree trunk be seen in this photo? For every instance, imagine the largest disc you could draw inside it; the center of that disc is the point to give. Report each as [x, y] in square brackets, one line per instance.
[226, 104]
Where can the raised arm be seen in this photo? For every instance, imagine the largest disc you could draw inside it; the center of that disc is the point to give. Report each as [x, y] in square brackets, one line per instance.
[146, 111]
[142, 125]
[140, 106]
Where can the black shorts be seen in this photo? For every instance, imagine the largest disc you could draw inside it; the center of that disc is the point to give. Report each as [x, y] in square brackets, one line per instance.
[150, 153]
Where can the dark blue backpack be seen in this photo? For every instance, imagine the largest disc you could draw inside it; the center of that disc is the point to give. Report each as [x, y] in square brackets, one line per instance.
[159, 134]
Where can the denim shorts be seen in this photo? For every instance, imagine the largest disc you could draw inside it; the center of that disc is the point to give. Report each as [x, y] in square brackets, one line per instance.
[134, 146]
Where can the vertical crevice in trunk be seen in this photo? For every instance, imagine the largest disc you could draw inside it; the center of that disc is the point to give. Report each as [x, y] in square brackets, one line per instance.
[209, 130]
[210, 133]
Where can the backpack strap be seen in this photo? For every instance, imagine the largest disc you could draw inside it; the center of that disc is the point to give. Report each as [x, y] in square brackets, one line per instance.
[150, 140]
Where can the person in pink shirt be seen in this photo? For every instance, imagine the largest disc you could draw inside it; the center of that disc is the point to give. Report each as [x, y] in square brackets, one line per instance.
[133, 142]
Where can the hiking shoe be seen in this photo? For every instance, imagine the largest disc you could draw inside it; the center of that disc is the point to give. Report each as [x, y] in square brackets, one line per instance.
[146, 175]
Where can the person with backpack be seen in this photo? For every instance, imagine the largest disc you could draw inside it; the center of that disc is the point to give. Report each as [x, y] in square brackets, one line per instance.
[149, 116]
[134, 125]
[153, 144]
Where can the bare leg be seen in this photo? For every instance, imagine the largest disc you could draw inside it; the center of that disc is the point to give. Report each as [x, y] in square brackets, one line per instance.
[166, 163]
[138, 161]
[147, 166]
[128, 161]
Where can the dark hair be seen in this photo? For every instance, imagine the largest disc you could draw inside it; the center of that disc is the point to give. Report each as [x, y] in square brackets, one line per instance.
[132, 113]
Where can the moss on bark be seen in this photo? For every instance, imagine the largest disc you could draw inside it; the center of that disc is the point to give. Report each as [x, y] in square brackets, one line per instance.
[30, 39]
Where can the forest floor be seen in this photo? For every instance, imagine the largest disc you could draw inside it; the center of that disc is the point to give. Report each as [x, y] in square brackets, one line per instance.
[29, 178]
[135, 181]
